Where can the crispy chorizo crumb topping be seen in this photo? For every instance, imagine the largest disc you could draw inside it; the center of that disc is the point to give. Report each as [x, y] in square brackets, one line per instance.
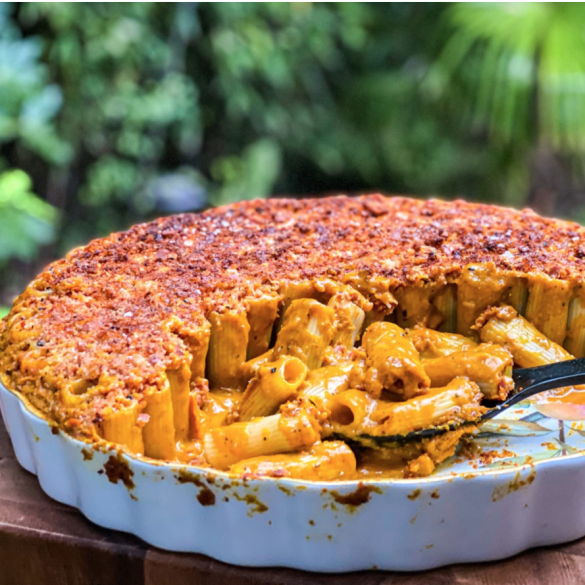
[102, 326]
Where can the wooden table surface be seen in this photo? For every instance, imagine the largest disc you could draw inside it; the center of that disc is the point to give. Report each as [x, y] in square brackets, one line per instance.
[43, 542]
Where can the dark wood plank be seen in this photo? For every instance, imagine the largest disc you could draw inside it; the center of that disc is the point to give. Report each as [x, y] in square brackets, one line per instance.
[43, 542]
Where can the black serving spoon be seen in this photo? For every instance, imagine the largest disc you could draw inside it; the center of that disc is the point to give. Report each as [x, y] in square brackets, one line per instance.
[527, 383]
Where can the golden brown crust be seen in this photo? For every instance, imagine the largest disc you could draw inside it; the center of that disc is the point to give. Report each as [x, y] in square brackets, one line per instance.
[116, 313]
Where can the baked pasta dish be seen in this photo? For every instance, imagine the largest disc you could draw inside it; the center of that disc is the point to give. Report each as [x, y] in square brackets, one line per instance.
[302, 339]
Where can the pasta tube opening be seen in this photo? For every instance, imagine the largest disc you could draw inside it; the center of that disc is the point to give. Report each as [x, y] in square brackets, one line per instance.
[352, 408]
[274, 383]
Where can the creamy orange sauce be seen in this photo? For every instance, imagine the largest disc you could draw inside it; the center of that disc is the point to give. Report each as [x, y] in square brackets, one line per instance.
[189, 452]
[434, 344]
[479, 287]
[569, 395]
[300, 424]
[411, 459]
[331, 380]
[380, 469]
[323, 462]
[219, 407]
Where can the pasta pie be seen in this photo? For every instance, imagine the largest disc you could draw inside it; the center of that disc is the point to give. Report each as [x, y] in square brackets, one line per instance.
[300, 339]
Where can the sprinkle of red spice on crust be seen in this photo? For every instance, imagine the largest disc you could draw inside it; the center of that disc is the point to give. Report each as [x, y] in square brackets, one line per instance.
[104, 324]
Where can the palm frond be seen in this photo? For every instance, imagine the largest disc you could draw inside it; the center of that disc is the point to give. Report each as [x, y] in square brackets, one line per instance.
[527, 73]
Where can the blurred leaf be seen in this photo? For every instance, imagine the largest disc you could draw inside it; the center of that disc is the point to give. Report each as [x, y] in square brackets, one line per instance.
[28, 104]
[15, 192]
[249, 177]
[529, 77]
[26, 222]
[109, 178]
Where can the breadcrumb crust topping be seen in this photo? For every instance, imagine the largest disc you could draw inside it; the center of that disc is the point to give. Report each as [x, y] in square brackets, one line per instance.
[105, 323]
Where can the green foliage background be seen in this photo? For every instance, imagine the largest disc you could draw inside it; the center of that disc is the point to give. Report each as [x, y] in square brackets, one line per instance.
[110, 112]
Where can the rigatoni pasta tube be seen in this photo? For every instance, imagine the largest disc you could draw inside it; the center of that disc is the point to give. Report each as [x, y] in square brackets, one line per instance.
[261, 315]
[517, 295]
[274, 383]
[295, 428]
[392, 362]
[306, 332]
[327, 380]
[377, 290]
[575, 340]
[434, 344]
[227, 349]
[349, 319]
[119, 425]
[548, 307]
[444, 316]
[479, 286]
[353, 413]
[179, 382]
[488, 365]
[198, 345]
[414, 304]
[325, 461]
[458, 402]
[528, 346]
[249, 368]
[159, 432]
[293, 292]
[196, 420]
[350, 412]
[531, 348]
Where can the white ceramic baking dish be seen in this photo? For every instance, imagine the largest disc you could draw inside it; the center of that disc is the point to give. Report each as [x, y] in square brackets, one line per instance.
[527, 495]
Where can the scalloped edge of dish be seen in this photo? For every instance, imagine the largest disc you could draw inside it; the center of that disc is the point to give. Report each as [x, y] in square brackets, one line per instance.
[403, 525]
